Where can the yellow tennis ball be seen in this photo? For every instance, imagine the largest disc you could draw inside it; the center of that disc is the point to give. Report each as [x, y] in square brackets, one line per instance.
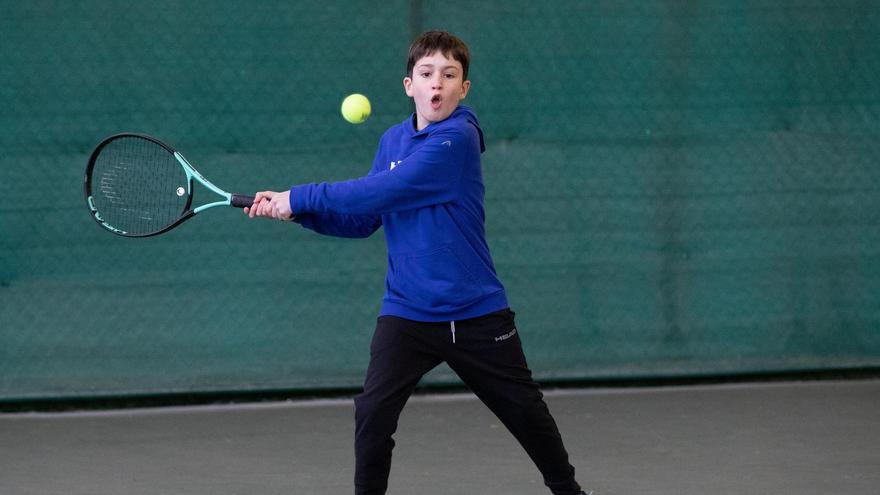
[356, 108]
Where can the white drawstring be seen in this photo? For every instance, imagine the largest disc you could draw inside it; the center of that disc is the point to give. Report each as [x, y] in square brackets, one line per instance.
[452, 327]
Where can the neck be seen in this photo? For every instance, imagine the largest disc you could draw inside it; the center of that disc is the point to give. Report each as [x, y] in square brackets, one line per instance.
[418, 123]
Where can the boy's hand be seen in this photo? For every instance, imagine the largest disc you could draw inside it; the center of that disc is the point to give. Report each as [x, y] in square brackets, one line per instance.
[271, 204]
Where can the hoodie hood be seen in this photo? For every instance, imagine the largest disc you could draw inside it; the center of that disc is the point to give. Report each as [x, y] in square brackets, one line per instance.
[462, 112]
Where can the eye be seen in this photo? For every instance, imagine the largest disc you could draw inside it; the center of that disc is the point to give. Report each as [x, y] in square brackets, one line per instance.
[426, 74]
[450, 76]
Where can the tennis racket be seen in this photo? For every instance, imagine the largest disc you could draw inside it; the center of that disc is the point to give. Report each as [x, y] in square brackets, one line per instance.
[138, 186]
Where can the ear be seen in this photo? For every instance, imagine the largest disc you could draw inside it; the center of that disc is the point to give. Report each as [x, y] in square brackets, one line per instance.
[465, 87]
[407, 86]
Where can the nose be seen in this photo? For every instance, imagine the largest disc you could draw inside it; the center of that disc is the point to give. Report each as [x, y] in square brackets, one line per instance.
[437, 83]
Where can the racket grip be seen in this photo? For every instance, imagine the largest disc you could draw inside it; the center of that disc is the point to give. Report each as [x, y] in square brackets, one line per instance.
[241, 200]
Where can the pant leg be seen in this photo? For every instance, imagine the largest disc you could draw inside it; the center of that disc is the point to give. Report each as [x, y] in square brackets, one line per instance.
[397, 361]
[488, 357]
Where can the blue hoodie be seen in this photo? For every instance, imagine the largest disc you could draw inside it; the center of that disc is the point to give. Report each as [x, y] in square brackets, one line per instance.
[426, 189]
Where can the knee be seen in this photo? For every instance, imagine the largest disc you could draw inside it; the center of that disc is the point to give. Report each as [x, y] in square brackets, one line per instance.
[365, 407]
[529, 411]
[374, 415]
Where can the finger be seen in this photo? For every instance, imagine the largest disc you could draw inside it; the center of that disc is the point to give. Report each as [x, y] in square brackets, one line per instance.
[265, 209]
[263, 195]
[255, 208]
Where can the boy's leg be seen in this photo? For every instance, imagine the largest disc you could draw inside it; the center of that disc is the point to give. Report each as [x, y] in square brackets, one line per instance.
[397, 362]
[488, 357]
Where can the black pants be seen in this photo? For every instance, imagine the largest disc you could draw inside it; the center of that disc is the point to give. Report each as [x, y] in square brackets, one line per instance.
[487, 355]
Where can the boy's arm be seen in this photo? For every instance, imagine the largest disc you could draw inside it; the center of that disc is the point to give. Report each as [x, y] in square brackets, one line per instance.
[341, 225]
[273, 204]
[429, 176]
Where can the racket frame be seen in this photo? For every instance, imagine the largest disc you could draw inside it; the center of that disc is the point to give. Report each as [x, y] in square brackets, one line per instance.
[229, 199]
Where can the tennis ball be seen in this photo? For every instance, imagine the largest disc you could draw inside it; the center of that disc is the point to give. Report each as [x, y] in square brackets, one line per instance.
[356, 108]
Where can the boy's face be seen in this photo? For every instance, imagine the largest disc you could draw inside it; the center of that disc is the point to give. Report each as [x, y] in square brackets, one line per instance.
[436, 86]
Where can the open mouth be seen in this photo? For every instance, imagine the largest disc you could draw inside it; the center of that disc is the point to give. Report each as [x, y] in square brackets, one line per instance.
[435, 102]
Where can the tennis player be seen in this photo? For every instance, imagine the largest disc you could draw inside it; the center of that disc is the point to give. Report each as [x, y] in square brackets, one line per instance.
[443, 300]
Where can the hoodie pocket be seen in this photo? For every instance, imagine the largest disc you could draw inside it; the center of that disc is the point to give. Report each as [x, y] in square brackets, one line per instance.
[434, 279]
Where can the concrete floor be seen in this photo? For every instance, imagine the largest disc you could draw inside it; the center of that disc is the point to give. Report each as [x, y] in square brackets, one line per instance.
[782, 438]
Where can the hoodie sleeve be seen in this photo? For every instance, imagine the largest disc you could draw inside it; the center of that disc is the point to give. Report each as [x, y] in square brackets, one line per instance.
[343, 225]
[336, 225]
[429, 176]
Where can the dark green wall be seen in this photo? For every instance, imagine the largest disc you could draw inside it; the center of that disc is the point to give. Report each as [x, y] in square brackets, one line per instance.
[672, 188]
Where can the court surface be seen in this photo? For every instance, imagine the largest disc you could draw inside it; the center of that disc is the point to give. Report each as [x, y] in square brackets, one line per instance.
[778, 438]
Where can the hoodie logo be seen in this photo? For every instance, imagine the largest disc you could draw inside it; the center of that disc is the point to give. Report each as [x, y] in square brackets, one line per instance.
[447, 143]
[394, 164]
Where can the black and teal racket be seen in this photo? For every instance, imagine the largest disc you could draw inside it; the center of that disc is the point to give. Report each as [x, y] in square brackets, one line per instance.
[138, 186]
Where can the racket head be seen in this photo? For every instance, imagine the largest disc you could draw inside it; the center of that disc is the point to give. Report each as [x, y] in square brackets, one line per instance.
[134, 186]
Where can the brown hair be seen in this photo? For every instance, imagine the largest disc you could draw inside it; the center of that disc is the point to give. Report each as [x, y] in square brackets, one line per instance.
[446, 43]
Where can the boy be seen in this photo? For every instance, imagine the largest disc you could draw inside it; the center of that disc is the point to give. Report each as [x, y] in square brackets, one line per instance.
[443, 300]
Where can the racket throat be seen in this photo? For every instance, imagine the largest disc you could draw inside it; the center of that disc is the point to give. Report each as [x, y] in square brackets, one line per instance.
[191, 173]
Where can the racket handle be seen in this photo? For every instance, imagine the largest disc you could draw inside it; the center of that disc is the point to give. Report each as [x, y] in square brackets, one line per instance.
[241, 200]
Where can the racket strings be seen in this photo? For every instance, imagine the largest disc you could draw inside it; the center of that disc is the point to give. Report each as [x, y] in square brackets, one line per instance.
[141, 188]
